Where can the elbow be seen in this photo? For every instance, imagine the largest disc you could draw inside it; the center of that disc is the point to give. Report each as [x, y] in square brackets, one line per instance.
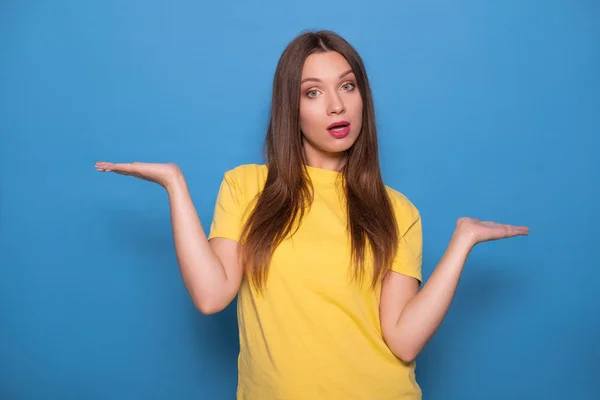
[407, 355]
[208, 306]
[405, 352]
[208, 309]
[210, 299]
[402, 349]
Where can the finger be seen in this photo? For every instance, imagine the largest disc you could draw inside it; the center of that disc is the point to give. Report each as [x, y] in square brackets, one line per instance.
[517, 230]
[105, 166]
[507, 230]
[517, 227]
[523, 230]
[101, 165]
[499, 231]
[124, 168]
[510, 227]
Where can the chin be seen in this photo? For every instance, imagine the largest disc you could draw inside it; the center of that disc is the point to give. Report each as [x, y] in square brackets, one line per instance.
[340, 145]
[329, 144]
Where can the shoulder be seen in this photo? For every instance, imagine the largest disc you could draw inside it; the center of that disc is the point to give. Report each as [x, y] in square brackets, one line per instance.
[406, 212]
[247, 174]
[246, 181]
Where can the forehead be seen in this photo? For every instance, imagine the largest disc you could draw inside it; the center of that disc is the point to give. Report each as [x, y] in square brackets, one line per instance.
[325, 66]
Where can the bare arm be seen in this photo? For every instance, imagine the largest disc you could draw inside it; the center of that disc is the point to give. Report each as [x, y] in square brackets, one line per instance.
[409, 317]
[210, 270]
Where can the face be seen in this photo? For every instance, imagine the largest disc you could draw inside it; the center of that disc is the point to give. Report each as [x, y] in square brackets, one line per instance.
[330, 108]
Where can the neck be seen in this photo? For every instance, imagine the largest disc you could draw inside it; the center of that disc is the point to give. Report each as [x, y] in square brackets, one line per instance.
[328, 161]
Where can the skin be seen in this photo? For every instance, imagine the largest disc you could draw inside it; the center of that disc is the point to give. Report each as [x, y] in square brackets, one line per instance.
[329, 93]
[211, 271]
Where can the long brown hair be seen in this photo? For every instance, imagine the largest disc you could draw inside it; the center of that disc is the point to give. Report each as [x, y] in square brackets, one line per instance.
[288, 191]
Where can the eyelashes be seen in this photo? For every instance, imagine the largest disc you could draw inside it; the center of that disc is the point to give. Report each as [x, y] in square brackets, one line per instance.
[347, 87]
[351, 84]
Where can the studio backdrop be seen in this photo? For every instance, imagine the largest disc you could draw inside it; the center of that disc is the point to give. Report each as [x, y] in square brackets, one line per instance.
[485, 109]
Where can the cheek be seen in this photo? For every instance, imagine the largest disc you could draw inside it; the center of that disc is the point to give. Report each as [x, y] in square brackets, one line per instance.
[357, 105]
[309, 116]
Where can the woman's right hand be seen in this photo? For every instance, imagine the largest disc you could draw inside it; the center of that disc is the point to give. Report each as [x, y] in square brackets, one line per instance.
[163, 174]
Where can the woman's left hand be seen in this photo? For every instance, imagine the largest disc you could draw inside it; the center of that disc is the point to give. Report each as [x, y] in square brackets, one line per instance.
[477, 231]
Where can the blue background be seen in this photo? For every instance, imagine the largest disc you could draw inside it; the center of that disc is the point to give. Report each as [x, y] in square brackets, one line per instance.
[487, 109]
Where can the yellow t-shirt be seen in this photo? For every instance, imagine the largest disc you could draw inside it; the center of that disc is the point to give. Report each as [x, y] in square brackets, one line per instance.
[314, 333]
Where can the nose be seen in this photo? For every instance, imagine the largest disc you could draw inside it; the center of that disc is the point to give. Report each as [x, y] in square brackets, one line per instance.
[336, 105]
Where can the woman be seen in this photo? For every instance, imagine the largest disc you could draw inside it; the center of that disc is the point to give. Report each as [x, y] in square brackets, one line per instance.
[325, 259]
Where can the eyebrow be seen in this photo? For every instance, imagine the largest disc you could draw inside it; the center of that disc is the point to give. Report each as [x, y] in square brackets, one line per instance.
[318, 80]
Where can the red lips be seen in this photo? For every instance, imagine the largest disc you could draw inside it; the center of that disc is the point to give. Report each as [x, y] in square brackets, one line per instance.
[338, 124]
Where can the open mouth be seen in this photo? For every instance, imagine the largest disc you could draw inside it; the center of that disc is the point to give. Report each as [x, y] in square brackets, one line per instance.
[339, 129]
[338, 125]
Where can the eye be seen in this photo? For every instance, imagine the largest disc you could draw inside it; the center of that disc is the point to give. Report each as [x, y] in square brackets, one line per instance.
[312, 93]
[348, 86]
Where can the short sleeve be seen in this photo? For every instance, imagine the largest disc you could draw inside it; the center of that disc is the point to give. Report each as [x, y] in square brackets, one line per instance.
[227, 217]
[409, 257]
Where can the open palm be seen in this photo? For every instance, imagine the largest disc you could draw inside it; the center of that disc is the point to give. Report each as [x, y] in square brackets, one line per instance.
[483, 231]
[153, 172]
